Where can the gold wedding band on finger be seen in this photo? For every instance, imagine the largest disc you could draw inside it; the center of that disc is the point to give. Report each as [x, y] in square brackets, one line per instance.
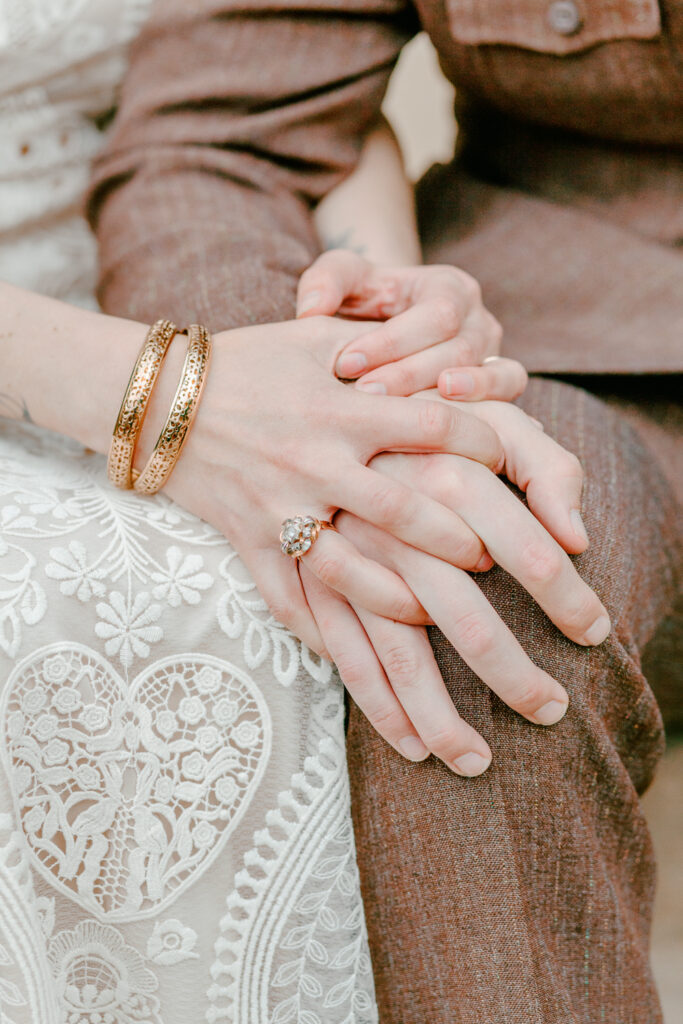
[299, 534]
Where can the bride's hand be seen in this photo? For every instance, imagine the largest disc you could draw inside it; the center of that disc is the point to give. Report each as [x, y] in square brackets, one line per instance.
[389, 667]
[277, 435]
[435, 328]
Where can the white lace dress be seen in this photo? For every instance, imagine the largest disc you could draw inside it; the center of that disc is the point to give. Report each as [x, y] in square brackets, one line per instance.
[175, 835]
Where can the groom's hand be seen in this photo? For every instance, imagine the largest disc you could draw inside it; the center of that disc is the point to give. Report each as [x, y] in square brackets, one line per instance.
[389, 667]
[435, 328]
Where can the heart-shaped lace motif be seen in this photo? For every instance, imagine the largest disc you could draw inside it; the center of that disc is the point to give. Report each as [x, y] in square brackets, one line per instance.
[127, 792]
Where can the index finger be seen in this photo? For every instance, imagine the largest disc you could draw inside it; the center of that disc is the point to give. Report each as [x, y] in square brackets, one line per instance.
[392, 423]
[423, 325]
[439, 301]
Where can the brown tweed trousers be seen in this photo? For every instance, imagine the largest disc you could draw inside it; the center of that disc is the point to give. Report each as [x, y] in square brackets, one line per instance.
[523, 896]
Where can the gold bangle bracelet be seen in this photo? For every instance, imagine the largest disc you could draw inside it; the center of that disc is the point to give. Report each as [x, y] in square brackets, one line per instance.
[183, 411]
[135, 402]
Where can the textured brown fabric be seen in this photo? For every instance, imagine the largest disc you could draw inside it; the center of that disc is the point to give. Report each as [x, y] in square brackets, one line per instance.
[238, 115]
[524, 896]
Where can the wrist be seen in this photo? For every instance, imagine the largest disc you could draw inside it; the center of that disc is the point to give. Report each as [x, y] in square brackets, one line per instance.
[64, 368]
[92, 369]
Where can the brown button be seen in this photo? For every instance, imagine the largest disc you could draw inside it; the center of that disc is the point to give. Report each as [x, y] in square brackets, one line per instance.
[564, 17]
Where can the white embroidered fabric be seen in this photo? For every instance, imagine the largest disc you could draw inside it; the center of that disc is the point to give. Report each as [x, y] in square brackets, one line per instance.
[175, 832]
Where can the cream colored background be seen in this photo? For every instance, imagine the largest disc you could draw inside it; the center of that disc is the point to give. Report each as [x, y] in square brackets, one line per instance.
[419, 106]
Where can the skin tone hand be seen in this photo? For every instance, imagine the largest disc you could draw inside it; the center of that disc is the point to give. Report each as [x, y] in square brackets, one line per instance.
[435, 328]
[276, 435]
[389, 667]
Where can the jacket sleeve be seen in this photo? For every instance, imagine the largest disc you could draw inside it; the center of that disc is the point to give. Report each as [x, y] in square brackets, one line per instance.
[235, 118]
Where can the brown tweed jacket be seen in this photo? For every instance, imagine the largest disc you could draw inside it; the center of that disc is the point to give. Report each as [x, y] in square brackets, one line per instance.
[565, 198]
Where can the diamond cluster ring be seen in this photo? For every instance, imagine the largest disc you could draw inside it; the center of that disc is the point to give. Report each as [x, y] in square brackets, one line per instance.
[299, 534]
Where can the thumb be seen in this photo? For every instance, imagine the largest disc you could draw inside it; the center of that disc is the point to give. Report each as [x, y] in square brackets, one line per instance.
[334, 276]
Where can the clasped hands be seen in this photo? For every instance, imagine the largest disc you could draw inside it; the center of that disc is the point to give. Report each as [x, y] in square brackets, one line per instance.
[416, 481]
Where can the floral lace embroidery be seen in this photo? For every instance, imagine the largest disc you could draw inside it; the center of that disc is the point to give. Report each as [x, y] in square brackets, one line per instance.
[22, 598]
[100, 979]
[298, 896]
[171, 942]
[243, 612]
[126, 793]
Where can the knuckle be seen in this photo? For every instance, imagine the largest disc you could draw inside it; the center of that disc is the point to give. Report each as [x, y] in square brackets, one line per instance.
[435, 422]
[581, 610]
[352, 670]
[330, 568]
[471, 287]
[445, 487]
[526, 696]
[468, 551]
[389, 505]
[401, 380]
[386, 719]
[388, 344]
[289, 454]
[469, 351]
[446, 313]
[281, 611]
[541, 563]
[406, 608]
[401, 664]
[441, 740]
[475, 636]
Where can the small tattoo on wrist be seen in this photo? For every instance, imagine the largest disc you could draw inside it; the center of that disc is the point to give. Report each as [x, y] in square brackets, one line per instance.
[344, 241]
[14, 408]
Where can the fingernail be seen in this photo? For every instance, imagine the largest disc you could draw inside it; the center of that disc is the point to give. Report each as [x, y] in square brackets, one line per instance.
[550, 713]
[351, 364]
[413, 748]
[577, 523]
[598, 632]
[372, 387]
[459, 383]
[471, 764]
[308, 302]
[484, 563]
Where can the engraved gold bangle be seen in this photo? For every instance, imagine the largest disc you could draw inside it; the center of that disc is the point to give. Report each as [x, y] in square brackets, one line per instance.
[135, 402]
[183, 411]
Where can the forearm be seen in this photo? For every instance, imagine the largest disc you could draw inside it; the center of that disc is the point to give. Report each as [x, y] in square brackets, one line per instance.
[373, 211]
[235, 120]
[64, 368]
